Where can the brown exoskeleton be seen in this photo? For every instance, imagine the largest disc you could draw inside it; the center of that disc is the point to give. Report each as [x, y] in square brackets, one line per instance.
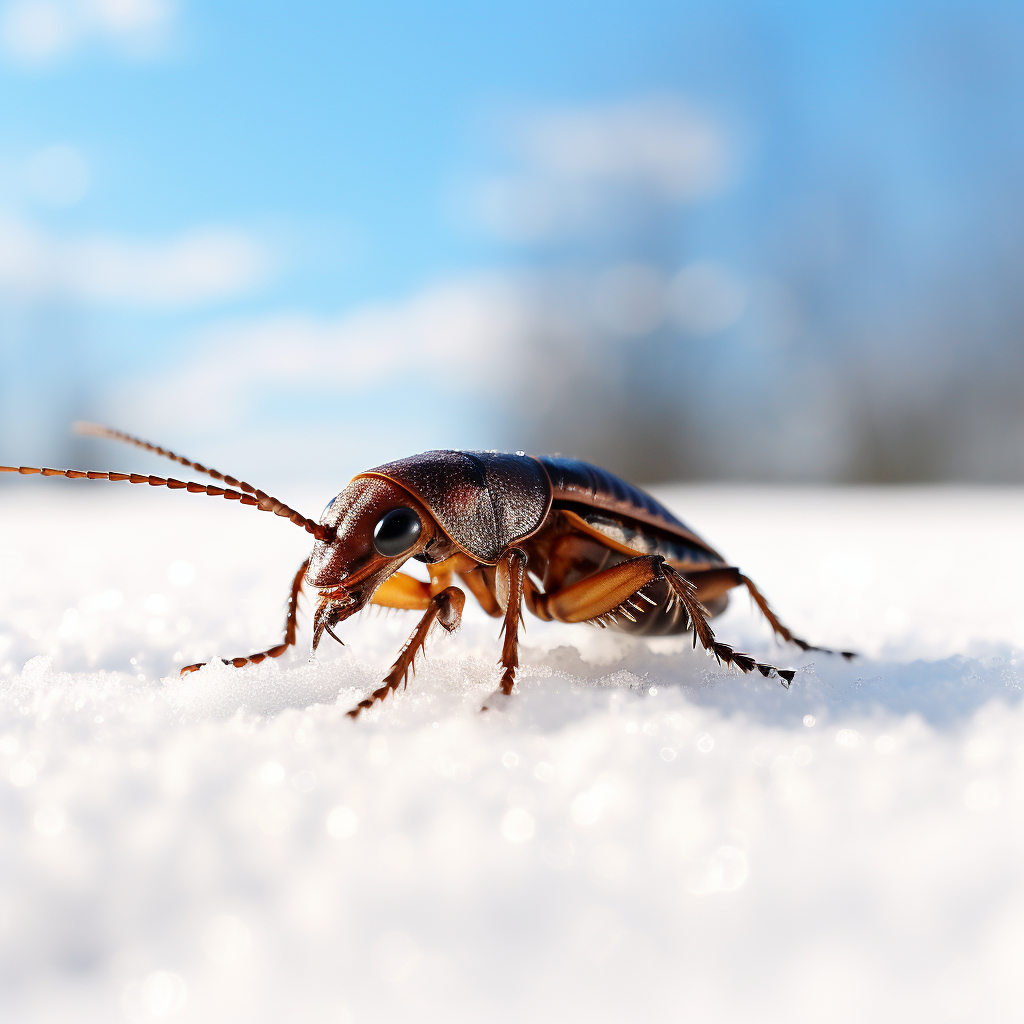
[572, 541]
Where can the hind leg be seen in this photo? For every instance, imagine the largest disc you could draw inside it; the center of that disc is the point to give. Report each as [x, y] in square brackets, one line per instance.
[610, 593]
[779, 628]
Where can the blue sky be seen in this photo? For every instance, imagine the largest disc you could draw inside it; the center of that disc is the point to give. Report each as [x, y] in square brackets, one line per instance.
[320, 160]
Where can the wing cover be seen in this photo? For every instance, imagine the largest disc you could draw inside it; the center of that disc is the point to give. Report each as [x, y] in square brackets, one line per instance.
[580, 483]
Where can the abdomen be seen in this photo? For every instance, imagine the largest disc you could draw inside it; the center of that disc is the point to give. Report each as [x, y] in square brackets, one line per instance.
[623, 521]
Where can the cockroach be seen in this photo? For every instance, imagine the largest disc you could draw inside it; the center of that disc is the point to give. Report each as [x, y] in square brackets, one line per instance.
[573, 542]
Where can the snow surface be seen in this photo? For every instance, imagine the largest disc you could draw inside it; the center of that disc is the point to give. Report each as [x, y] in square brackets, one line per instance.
[639, 835]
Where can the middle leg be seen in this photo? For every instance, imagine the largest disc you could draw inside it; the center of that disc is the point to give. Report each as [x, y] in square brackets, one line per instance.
[509, 579]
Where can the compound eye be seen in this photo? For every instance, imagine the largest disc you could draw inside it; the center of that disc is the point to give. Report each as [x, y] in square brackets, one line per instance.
[397, 531]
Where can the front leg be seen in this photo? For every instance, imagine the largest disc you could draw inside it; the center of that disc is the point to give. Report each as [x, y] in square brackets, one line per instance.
[403, 592]
[446, 607]
[290, 626]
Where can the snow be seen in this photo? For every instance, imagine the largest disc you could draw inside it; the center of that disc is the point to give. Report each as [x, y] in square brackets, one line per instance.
[638, 835]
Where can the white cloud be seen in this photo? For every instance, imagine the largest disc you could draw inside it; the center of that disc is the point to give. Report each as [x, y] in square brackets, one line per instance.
[446, 330]
[197, 267]
[578, 164]
[454, 342]
[457, 334]
[42, 31]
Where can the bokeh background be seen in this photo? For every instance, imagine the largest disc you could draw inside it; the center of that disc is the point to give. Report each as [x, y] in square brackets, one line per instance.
[761, 241]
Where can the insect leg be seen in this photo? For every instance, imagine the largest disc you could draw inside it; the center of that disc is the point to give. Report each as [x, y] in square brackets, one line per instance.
[446, 608]
[290, 624]
[405, 592]
[608, 593]
[713, 584]
[476, 582]
[602, 593]
[509, 586]
[509, 581]
[779, 628]
[402, 591]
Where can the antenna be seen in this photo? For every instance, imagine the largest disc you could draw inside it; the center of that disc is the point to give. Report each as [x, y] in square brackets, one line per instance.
[252, 496]
[96, 430]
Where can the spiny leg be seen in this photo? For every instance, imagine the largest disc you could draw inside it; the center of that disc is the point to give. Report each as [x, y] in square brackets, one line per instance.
[686, 594]
[609, 593]
[446, 608]
[510, 575]
[782, 630]
[508, 585]
[290, 624]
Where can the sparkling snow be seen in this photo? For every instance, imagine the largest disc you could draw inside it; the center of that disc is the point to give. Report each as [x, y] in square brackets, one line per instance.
[639, 835]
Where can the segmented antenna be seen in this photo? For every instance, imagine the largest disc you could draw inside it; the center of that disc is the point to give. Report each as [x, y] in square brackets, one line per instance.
[252, 496]
[96, 430]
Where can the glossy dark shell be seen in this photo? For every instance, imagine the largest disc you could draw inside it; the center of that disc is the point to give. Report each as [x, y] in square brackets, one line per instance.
[488, 501]
[484, 501]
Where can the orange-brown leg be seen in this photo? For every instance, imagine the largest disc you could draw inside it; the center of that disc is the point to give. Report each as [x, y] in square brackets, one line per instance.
[779, 628]
[573, 555]
[402, 591]
[608, 593]
[476, 582]
[446, 609]
[713, 584]
[290, 624]
[509, 577]
[509, 585]
[442, 573]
